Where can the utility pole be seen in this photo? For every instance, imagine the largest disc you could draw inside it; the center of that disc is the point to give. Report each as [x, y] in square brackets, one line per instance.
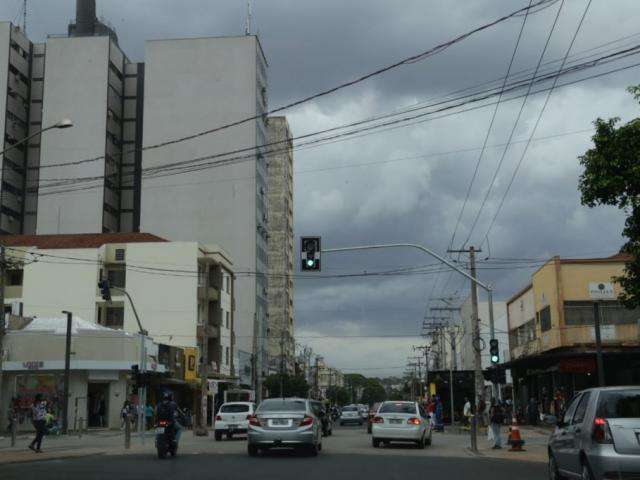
[477, 344]
[282, 364]
[425, 349]
[3, 327]
[317, 389]
[599, 360]
[67, 374]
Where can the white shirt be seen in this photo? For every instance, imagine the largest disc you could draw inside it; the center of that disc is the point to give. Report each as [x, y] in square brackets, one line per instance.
[466, 410]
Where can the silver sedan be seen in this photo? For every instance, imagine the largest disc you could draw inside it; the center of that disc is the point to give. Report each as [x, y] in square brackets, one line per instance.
[285, 423]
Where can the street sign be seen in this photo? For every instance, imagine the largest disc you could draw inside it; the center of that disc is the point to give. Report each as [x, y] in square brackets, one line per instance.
[601, 291]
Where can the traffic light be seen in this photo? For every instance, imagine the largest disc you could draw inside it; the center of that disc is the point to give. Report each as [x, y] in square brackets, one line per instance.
[105, 290]
[310, 253]
[494, 350]
[135, 374]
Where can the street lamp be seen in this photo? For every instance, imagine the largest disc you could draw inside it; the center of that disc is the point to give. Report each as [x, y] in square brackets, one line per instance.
[62, 124]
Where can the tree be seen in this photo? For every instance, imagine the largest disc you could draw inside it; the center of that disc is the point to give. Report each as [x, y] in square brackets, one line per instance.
[294, 386]
[373, 392]
[339, 395]
[611, 176]
[354, 382]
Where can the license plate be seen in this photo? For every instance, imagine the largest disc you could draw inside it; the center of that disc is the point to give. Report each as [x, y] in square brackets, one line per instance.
[160, 430]
[395, 420]
[279, 422]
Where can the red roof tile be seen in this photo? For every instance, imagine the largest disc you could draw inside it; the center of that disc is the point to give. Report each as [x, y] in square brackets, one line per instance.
[80, 240]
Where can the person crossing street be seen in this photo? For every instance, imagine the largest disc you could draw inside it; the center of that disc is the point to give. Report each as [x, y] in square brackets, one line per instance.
[496, 419]
[38, 414]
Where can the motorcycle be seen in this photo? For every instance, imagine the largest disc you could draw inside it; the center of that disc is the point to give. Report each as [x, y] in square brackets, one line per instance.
[166, 442]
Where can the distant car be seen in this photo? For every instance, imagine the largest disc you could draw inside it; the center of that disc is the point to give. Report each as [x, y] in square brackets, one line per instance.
[233, 418]
[321, 412]
[401, 422]
[350, 414]
[285, 423]
[598, 436]
[372, 413]
[364, 410]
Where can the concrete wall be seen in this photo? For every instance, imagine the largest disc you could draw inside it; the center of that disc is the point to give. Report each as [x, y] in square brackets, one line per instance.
[167, 304]
[52, 284]
[192, 85]
[76, 75]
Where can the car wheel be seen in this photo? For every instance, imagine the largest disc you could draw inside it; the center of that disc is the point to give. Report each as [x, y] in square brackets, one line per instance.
[554, 473]
[375, 442]
[586, 471]
[427, 440]
[420, 444]
[252, 450]
[313, 450]
[320, 447]
[218, 436]
[229, 436]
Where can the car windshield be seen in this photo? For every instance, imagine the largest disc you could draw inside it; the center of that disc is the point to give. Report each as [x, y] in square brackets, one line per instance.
[350, 409]
[234, 408]
[279, 405]
[619, 404]
[397, 408]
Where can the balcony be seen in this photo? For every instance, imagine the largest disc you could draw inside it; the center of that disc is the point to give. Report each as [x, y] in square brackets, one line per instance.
[211, 331]
[208, 293]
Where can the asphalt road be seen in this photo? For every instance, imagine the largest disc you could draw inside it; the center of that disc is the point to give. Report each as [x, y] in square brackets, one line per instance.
[346, 455]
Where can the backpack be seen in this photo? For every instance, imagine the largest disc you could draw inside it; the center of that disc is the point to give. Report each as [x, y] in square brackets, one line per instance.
[165, 412]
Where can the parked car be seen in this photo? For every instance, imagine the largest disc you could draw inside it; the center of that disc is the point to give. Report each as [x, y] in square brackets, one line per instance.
[350, 414]
[401, 422]
[372, 413]
[598, 436]
[285, 423]
[232, 418]
[321, 412]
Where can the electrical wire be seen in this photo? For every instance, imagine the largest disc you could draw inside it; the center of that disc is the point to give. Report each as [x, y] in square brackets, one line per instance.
[535, 126]
[513, 129]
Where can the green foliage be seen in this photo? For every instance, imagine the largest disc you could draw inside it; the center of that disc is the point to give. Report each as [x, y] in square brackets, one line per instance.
[294, 386]
[373, 392]
[611, 176]
[338, 395]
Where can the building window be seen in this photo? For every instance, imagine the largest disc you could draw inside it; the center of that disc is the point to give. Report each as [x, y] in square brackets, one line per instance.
[117, 277]
[202, 276]
[545, 319]
[227, 283]
[119, 254]
[226, 355]
[577, 313]
[226, 321]
[14, 278]
[115, 317]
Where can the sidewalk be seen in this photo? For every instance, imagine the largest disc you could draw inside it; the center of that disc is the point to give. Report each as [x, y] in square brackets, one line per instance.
[535, 446]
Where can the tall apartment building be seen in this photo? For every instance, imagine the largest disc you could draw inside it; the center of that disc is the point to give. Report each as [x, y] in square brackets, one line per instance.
[280, 245]
[97, 177]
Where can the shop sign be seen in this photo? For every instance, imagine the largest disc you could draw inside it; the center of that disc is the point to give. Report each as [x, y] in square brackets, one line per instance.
[601, 291]
[33, 365]
[190, 364]
[577, 365]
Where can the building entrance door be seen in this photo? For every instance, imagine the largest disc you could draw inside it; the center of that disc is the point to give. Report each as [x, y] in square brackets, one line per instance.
[97, 405]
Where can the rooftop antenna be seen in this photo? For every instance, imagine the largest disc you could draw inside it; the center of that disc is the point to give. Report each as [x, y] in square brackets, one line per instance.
[247, 24]
[24, 17]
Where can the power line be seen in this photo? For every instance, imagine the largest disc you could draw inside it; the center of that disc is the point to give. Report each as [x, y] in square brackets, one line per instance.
[535, 127]
[513, 129]
[491, 122]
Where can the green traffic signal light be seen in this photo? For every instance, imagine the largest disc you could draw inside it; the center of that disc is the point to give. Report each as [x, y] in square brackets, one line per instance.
[494, 358]
[310, 262]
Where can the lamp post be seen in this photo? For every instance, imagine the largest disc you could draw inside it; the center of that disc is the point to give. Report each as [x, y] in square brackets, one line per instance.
[61, 125]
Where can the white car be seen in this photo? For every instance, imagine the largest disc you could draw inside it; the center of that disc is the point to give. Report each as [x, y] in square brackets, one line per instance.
[401, 422]
[350, 414]
[232, 418]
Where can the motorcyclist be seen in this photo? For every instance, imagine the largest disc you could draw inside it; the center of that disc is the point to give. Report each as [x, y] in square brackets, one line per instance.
[168, 410]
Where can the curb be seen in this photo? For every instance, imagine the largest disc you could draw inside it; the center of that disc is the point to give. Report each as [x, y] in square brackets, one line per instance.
[46, 457]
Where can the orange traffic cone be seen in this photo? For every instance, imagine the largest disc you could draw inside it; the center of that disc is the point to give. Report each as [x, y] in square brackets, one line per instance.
[515, 440]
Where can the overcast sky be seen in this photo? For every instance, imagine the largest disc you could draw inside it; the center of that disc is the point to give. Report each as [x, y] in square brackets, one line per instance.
[314, 45]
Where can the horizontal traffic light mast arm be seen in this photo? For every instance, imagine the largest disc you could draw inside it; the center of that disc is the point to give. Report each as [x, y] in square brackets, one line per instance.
[412, 245]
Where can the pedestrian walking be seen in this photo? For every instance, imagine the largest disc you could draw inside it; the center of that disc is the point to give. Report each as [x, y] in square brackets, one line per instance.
[148, 413]
[124, 413]
[38, 414]
[466, 411]
[533, 413]
[497, 418]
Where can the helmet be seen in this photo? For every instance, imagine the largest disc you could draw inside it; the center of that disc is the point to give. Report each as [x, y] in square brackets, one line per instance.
[167, 396]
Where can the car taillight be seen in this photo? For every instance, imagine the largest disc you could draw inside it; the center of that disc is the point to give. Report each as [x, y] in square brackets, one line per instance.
[378, 420]
[414, 421]
[253, 420]
[601, 431]
[218, 418]
[306, 421]
[163, 423]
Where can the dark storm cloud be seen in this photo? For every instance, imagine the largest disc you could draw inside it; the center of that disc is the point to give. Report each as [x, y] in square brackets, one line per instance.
[313, 45]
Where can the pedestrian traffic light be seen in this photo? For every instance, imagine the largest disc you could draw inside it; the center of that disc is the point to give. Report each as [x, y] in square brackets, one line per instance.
[310, 253]
[105, 290]
[494, 350]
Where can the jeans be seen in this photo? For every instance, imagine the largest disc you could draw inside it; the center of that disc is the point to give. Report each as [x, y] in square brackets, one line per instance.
[40, 426]
[495, 428]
